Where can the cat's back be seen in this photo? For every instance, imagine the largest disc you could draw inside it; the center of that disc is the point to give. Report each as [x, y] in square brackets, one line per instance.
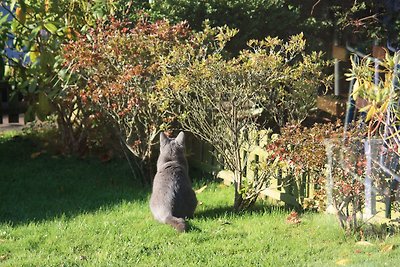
[172, 189]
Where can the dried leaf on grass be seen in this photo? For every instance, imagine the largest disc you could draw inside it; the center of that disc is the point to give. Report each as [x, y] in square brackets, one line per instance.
[293, 218]
[198, 191]
[388, 247]
[364, 243]
[3, 257]
[343, 262]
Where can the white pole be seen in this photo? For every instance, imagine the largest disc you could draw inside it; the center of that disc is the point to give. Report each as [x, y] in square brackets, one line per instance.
[370, 195]
[336, 72]
[337, 75]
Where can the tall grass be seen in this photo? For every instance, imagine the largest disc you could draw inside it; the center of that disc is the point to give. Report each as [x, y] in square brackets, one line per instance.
[64, 211]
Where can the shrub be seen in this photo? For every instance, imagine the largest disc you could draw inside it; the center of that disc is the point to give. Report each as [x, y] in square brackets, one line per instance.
[253, 19]
[300, 151]
[320, 151]
[381, 97]
[221, 99]
[114, 68]
[38, 30]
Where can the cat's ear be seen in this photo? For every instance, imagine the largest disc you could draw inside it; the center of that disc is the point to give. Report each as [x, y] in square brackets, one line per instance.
[180, 139]
[163, 139]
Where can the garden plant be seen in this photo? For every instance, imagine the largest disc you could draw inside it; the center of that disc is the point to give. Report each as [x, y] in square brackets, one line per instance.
[106, 79]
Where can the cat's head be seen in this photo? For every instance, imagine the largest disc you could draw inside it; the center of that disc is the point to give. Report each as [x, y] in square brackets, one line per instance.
[172, 148]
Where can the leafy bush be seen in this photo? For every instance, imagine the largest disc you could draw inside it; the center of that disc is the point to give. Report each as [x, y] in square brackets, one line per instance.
[319, 152]
[354, 21]
[114, 68]
[347, 171]
[221, 99]
[38, 30]
[298, 152]
[381, 97]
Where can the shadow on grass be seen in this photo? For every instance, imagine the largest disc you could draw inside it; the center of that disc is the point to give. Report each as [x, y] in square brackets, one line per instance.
[35, 186]
[224, 211]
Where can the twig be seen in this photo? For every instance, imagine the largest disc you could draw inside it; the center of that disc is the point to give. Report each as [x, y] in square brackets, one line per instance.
[12, 14]
[312, 9]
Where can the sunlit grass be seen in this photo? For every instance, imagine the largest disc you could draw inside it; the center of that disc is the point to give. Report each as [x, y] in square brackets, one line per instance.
[60, 211]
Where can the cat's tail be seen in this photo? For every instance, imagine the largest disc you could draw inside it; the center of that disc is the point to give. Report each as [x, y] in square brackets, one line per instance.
[178, 223]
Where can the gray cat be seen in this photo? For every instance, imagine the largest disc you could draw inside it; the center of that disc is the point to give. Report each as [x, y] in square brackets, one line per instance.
[173, 198]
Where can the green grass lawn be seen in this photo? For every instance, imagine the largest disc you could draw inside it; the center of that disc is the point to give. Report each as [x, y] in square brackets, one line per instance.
[61, 211]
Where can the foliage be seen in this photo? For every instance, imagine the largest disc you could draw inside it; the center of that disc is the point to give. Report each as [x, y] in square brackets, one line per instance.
[347, 168]
[299, 152]
[34, 31]
[322, 151]
[254, 19]
[381, 96]
[119, 80]
[222, 99]
[357, 22]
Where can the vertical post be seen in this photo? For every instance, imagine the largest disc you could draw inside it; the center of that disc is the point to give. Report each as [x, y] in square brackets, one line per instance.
[370, 195]
[351, 105]
[330, 208]
[336, 71]
[376, 65]
[336, 85]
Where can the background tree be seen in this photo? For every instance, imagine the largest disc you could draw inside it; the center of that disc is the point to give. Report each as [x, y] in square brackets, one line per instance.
[358, 22]
[254, 19]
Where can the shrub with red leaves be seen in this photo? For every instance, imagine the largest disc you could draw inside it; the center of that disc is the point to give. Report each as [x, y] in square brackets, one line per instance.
[114, 69]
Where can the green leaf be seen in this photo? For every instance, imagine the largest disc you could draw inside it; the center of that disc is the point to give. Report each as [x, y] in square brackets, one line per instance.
[370, 113]
[33, 55]
[35, 31]
[4, 19]
[50, 27]
[12, 5]
[366, 108]
[356, 88]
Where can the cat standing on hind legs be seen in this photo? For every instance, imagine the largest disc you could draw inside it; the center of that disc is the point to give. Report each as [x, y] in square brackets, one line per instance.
[172, 199]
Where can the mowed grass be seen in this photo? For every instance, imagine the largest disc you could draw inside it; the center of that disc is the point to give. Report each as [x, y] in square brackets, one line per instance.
[60, 211]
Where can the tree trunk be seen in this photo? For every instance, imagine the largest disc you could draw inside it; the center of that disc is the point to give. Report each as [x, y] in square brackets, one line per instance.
[238, 201]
